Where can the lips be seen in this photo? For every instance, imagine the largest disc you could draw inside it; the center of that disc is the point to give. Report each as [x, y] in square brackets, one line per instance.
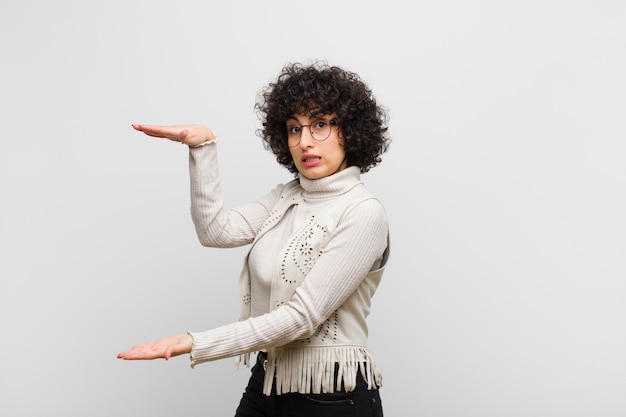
[310, 160]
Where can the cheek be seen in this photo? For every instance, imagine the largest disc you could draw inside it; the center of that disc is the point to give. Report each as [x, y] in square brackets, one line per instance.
[338, 147]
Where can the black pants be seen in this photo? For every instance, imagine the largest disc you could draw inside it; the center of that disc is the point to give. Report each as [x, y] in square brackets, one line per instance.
[360, 402]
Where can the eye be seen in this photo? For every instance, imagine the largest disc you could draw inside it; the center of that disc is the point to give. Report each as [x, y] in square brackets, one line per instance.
[294, 130]
[320, 124]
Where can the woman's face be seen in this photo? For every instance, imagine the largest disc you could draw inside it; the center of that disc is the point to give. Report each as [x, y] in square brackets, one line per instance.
[315, 154]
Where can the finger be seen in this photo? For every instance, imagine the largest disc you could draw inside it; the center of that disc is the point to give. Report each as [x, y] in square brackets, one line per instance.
[169, 132]
[154, 131]
[147, 129]
[138, 350]
[140, 355]
[154, 135]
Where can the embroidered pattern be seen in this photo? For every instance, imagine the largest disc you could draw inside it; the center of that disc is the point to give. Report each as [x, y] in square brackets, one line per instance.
[246, 299]
[272, 219]
[302, 252]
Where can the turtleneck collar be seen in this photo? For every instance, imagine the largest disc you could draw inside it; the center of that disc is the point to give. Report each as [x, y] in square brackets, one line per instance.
[332, 185]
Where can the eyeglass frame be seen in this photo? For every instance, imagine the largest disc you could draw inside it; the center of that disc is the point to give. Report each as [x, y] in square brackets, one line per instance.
[332, 122]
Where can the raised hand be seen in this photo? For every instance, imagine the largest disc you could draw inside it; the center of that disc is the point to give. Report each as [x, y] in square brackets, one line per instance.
[191, 135]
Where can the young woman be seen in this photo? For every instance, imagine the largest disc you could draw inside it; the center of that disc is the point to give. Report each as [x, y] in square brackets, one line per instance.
[318, 247]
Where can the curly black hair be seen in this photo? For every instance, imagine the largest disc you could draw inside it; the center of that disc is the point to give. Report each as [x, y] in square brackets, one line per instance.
[319, 88]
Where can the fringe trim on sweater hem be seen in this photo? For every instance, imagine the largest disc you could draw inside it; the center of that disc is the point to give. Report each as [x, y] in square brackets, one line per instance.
[312, 370]
[243, 359]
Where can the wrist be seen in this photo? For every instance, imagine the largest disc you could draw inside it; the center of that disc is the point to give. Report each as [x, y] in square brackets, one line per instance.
[191, 340]
[203, 143]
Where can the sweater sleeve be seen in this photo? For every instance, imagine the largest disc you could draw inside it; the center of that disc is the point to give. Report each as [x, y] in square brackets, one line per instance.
[356, 247]
[217, 226]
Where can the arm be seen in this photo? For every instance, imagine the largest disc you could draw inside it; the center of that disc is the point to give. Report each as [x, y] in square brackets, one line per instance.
[351, 252]
[215, 225]
[357, 245]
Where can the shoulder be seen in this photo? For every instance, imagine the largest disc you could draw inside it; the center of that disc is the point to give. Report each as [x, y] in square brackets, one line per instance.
[371, 206]
[365, 206]
[290, 190]
[283, 195]
[291, 186]
[282, 190]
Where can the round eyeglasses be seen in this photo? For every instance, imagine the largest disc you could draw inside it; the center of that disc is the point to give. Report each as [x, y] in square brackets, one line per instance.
[320, 130]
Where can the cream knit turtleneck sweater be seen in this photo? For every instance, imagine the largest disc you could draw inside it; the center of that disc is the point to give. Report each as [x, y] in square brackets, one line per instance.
[355, 247]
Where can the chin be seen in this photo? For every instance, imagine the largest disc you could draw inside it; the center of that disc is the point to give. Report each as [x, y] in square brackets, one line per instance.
[313, 175]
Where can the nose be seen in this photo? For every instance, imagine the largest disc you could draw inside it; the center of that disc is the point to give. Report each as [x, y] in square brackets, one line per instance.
[306, 137]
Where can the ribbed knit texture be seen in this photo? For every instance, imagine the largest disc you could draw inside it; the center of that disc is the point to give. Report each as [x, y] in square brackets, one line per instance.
[354, 248]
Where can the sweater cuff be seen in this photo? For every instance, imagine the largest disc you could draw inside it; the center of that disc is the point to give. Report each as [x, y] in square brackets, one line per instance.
[209, 345]
[203, 143]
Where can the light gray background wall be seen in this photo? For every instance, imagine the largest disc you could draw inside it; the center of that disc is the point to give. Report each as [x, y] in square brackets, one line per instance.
[505, 295]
